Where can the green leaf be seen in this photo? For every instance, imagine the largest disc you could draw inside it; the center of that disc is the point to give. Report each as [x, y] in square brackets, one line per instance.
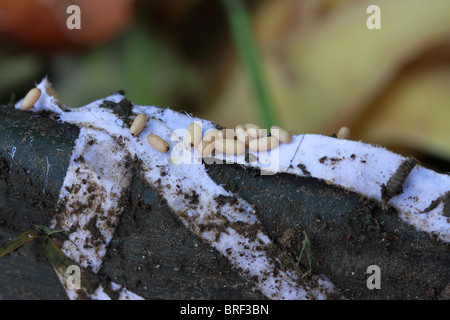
[60, 262]
[15, 70]
[18, 242]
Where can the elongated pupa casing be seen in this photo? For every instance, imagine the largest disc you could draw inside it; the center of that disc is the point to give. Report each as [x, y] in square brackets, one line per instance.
[242, 135]
[158, 143]
[193, 135]
[281, 134]
[138, 124]
[30, 99]
[206, 146]
[226, 133]
[394, 185]
[51, 92]
[229, 146]
[253, 130]
[263, 144]
[343, 133]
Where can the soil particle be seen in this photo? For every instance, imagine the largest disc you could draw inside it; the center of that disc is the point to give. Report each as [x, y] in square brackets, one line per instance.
[192, 197]
[123, 109]
[303, 168]
[79, 159]
[223, 200]
[93, 230]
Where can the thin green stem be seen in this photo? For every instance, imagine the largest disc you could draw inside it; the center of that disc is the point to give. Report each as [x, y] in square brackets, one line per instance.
[244, 41]
[49, 231]
[307, 248]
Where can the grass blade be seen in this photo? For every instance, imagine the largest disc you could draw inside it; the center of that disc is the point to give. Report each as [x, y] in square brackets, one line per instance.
[18, 242]
[240, 27]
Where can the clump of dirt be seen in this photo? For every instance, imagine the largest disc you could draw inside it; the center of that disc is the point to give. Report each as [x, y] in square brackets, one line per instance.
[304, 170]
[123, 109]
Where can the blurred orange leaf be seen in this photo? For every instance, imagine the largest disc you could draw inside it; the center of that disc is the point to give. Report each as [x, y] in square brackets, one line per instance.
[41, 24]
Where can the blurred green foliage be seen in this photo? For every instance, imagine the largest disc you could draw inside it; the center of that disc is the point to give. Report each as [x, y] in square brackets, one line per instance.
[147, 69]
[143, 61]
[169, 56]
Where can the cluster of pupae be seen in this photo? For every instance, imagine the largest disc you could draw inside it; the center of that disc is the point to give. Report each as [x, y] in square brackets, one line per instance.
[228, 141]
